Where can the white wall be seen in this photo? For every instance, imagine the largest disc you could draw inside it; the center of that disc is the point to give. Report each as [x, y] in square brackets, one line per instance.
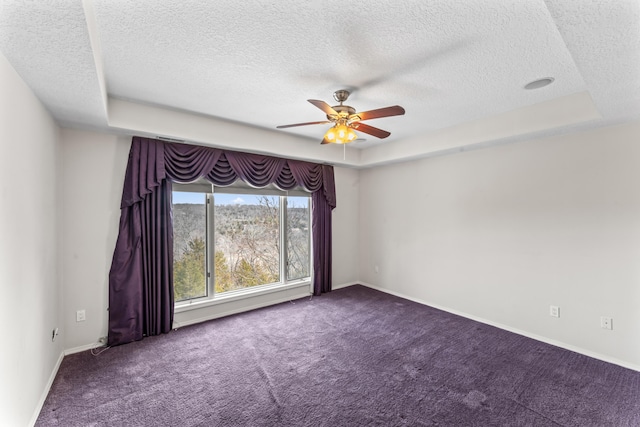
[94, 168]
[501, 234]
[93, 175]
[344, 226]
[29, 246]
[497, 234]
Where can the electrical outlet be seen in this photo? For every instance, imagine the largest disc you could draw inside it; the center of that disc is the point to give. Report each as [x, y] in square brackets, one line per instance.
[606, 323]
[554, 311]
[102, 340]
[80, 316]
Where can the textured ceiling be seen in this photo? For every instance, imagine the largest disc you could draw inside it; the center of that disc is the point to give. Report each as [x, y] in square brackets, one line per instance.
[47, 43]
[449, 63]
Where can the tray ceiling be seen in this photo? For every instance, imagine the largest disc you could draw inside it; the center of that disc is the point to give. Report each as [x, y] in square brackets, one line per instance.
[458, 68]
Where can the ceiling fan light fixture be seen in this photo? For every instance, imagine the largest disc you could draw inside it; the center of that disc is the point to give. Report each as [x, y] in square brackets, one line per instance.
[340, 134]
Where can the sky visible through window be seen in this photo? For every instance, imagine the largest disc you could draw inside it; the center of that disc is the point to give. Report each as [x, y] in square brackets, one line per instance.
[221, 198]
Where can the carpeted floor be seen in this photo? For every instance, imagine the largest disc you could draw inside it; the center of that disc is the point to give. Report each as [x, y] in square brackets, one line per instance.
[353, 357]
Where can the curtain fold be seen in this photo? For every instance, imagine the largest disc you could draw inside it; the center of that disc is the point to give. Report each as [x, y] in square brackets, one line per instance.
[157, 260]
[125, 281]
[141, 275]
[321, 232]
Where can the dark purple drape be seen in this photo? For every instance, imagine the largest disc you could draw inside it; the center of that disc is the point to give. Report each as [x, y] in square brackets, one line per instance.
[141, 276]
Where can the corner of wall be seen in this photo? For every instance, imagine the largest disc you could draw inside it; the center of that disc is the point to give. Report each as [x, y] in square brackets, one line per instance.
[29, 262]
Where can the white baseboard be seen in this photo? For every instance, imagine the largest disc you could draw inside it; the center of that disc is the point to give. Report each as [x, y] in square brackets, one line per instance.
[82, 348]
[344, 285]
[540, 338]
[45, 392]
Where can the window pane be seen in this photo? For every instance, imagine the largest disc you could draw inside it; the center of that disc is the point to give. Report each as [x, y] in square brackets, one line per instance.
[298, 252]
[189, 245]
[247, 241]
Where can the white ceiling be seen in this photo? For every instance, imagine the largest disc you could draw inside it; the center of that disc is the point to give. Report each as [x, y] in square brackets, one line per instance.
[457, 67]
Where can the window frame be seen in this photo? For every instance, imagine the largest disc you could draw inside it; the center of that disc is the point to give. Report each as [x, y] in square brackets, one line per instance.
[240, 187]
[285, 209]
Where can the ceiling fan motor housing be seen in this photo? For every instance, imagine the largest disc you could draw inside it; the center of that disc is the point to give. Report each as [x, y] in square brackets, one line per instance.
[341, 95]
[343, 111]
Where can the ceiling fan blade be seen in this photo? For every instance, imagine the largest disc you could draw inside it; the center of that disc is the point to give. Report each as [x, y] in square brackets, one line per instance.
[302, 124]
[395, 110]
[324, 107]
[379, 133]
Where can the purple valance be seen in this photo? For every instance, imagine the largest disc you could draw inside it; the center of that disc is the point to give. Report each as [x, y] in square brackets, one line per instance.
[151, 161]
[141, 275]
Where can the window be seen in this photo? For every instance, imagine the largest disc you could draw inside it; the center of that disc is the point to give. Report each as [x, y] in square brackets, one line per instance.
[189, 245]
[235, 238]
[298, 238]
[247, 241]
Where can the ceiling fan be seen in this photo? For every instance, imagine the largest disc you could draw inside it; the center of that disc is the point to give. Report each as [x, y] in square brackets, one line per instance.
[346, 119]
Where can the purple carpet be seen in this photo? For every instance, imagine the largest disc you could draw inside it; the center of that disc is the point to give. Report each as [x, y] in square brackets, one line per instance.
[353, 357]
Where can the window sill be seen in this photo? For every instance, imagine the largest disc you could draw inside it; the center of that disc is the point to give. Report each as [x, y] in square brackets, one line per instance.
[240, 295]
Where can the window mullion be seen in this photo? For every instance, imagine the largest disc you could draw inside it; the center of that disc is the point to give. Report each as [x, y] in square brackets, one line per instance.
[284, 260]
[211, 246]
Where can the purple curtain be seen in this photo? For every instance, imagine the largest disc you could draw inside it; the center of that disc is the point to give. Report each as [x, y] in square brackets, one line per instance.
[141, 275]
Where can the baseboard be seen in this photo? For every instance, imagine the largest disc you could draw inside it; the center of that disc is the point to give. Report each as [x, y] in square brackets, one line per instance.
[343, 285]
[45, 392]
[82, 348]
[540, 338]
